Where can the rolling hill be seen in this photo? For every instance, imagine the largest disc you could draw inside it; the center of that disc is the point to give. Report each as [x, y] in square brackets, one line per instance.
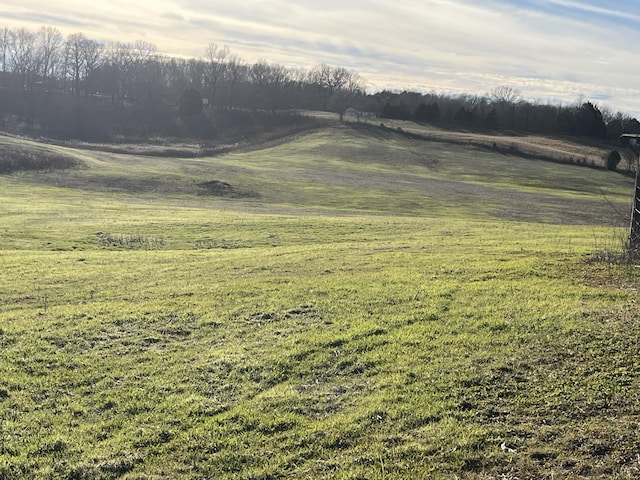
[349, 302]
[365, 168]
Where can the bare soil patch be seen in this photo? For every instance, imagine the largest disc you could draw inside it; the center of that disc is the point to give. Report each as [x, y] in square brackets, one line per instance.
[224, 189]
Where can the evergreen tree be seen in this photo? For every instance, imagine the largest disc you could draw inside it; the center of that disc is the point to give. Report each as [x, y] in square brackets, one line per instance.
[589, 122]
[632, 126]
[613, 159]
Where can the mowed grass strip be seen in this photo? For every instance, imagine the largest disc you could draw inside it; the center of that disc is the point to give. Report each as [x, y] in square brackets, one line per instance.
[356, 347]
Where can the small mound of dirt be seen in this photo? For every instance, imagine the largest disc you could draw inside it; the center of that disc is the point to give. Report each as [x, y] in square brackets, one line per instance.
[223, 189]
[216, 186]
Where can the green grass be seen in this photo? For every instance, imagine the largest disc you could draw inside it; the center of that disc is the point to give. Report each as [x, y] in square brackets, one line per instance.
[17, 154]
[346, 170]
[308, 332]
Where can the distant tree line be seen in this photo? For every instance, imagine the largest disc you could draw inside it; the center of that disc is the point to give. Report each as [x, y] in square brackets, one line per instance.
[503, 109]
[76, 87]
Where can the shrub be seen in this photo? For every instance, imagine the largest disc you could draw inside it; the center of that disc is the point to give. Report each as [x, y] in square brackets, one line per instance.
[613, 159]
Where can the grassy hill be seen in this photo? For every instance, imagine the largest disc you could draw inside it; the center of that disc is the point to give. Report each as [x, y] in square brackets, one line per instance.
[352, 303]
[572, 150]
[362, 168]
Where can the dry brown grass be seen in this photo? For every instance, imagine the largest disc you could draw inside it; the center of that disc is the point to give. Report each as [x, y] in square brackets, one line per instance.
[585, 151]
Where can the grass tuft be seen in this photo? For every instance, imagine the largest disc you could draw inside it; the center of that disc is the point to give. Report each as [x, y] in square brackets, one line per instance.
[129, 241]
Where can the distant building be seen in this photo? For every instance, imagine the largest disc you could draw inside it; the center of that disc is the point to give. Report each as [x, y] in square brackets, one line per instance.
[352, 112]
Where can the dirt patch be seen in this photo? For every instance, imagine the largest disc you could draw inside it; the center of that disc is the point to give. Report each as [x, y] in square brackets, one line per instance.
[223, 189]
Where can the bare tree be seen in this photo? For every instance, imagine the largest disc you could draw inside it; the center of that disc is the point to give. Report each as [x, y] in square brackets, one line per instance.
[196, 73]
[504, 95]
[117, 57]
[128, 64]
[216, 67]
[22, 53]
[5, 46]
[505, 100]
[49, 44]
[268, 82]
[92, 59]
[329, 77]
[343, 96]
[74, 58]
[259, 78]
[339, 84]
[24, 64]
[236, 72]
[142, 55]
[279, 77]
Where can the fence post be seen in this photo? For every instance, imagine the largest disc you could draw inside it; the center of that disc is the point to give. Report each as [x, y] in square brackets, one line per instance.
[633, 243]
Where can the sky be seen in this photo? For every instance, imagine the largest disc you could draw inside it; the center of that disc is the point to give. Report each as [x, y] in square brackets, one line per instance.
[557, 51]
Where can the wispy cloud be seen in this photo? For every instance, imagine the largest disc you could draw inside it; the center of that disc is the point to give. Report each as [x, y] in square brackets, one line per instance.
[549, 49]
[628, 11]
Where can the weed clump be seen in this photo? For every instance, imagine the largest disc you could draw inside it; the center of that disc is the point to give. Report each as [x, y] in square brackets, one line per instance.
[136, 242]
[613, 256]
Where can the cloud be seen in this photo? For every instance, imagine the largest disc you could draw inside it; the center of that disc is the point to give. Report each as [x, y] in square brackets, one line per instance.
[549, 49]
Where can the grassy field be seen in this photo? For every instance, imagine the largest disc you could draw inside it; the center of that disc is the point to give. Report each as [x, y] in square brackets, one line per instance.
[351, 304]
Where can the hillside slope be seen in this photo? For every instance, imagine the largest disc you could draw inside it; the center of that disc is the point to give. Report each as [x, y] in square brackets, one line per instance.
[361, 168]
[573, 150]
[352, 303]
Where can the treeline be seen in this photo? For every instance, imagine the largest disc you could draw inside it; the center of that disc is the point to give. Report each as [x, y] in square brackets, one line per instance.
[76, 87]
[503, 109]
